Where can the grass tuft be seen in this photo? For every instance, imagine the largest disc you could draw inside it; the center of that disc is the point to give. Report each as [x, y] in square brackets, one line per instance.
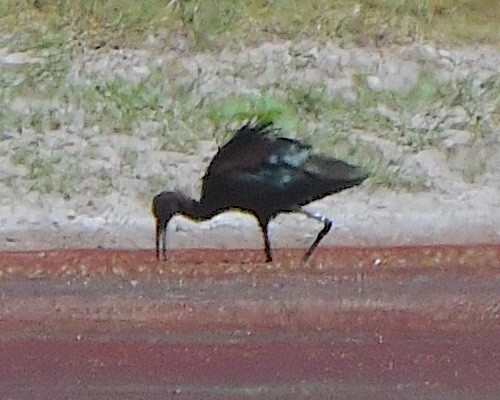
[222, 22]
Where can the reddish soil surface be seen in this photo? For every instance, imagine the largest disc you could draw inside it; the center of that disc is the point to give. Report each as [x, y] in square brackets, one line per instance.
[377, 323]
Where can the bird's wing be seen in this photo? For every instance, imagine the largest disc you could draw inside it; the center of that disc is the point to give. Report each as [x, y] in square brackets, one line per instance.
[282, 171]
[268, 165]
[259, 157]
[248, 148]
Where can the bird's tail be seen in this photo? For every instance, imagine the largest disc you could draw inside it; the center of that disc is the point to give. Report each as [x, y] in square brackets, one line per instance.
[335, 170]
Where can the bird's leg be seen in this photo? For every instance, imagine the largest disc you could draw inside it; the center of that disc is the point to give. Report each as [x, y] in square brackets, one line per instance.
[328, 223]
[264, 222]
[267, 246]
[158, 233]
[161, 234]
[164, 240]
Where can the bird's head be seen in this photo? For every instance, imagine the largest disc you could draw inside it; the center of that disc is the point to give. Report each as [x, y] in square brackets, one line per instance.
[165, 206]
[168, 204]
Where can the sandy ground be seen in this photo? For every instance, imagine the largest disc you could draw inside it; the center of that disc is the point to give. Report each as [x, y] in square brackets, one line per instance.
[363, 218]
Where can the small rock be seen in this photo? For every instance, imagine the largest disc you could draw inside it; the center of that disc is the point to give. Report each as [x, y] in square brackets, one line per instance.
[17, 59]
[343, 88]
[392, 116]
[433, 163]
[399, 76]
[389, 151]
[90, 224]
[374, 83]
[329, 63]
[456, 118]
[456, 137]
[7, 136]
[446, 58]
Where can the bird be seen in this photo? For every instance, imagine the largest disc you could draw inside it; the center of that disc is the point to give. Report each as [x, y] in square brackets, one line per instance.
[263, 173]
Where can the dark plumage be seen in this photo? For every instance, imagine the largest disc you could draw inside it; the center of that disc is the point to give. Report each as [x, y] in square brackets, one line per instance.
[264, 174]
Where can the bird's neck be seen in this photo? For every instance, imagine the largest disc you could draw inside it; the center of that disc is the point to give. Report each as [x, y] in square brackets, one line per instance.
[198, 210]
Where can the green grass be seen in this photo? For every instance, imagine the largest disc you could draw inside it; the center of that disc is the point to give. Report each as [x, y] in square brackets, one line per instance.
[41, 167]
[119, 104]
[222, 22]
[237, 110]
[115, 106]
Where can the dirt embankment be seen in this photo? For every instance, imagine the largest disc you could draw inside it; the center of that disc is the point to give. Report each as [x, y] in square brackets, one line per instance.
[90, 186]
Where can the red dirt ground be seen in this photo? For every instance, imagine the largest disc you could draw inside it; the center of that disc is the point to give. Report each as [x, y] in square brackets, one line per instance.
[376, 323]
